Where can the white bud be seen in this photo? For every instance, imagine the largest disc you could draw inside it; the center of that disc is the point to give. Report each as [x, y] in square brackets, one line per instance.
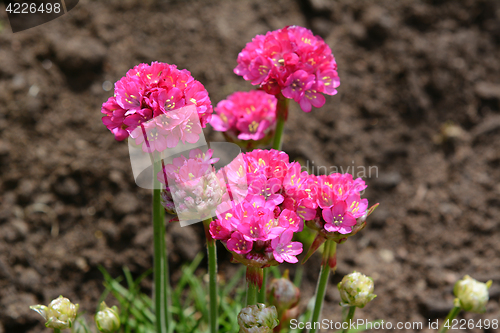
[471, 294]
[258, 319]
[356, 289]
[60, 313]
[107, 319]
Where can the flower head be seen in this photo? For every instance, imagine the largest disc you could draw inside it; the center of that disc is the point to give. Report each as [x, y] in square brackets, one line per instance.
[338, 202]
[259, 229]
[471, 294]
[246, 115]
[331, 205]
[356, 289]
[107, 319]
[292, 61]
[258, 319]
[149, 91]
[60, 314]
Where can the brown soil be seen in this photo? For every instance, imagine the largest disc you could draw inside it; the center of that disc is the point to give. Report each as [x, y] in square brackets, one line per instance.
[419, 100]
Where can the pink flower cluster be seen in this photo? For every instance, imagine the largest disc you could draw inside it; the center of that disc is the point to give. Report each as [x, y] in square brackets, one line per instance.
[337, 201]
[246, 115]
[148, 91]
[259, 231]
[292, 61]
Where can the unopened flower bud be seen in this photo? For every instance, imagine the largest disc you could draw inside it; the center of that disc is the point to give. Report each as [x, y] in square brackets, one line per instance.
[471, 294]
[356, 289]
[107, 319]
[258, 319]
[60, 313]
[283, 293]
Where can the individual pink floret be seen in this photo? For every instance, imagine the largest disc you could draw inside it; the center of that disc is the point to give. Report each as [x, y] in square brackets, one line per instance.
[355, 205]
[284, 249]
[338, 219]
[237, 243]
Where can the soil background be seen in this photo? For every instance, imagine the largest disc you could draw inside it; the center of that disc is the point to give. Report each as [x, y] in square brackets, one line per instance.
[419, 100]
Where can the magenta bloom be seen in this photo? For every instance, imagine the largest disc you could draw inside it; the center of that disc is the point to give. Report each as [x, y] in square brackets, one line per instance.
[297, 84]
[355, 205]
[149, 91]
[290, 220]
[338, 219]
[284, 249]
[262, 219]
[337, 187]
[246, 115]
[292, 61]
[329, 203]
[281, 198]
[238, 244]
[221, 228]
[256, 220]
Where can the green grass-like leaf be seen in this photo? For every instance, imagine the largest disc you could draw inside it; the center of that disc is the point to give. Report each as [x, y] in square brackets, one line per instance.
[189, 307]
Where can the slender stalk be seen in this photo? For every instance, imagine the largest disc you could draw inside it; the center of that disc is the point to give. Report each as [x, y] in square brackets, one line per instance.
[322, 283]
[451, 315]
[160, 257]
[251, 293]
[281, 116]
[212, 274]
[348, 318]
[56, 330]
[166, 274]
[261, 297]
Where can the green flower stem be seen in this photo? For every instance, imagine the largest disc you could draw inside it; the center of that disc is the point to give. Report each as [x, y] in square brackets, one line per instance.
[251, 293]
[451, 315]
[349, 317]
[322, 283]
[281, 116]
[261, 297]
[212, 274]
[160, 257]
[56, 330]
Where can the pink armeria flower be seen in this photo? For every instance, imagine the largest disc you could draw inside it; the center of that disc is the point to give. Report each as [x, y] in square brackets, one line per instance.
[246, 115]
[288, 219]
[291, 61]
[250, 230]
[337, 187]
[284, 249]
[338, 219]
[261, 217]
[238, 244]
[148, 91]
[355, 205]
[339, 211]
[221, 228]
[336, 201]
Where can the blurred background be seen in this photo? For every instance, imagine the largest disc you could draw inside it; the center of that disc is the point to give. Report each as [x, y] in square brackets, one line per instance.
[419, 102]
